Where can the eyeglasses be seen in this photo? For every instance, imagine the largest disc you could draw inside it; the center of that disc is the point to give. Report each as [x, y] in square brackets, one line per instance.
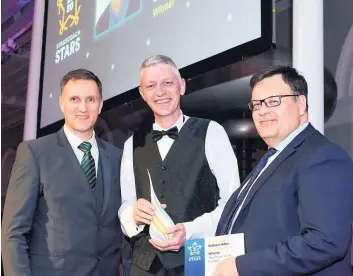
[271, 101]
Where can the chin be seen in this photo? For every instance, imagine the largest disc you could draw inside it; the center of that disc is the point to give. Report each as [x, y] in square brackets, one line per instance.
[163, 110]
[162, 113]
[266, 133]
[83, 128]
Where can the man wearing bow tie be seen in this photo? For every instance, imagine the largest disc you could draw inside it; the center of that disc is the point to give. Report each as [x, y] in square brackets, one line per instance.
[193, 170]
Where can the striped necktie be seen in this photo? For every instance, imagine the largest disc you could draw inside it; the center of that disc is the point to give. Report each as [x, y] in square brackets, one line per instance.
[87, 164]
[241, 197]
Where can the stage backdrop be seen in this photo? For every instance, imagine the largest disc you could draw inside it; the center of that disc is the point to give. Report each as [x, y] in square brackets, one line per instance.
[112, 38]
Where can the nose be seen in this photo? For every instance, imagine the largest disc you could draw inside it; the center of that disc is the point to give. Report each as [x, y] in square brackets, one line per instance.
[263, 109]
[160, 91]
[82, 106]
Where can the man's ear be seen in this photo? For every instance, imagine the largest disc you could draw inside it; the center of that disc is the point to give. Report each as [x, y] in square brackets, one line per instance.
[302, 105]
[100, 106]
[61, 104]
[141, 93]
[182, 86]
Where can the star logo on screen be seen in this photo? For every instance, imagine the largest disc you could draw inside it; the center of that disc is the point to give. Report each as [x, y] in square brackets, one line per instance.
[194, 249]
[69, 11]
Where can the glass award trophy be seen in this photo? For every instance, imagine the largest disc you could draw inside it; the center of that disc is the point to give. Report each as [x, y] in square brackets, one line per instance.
[161, 220]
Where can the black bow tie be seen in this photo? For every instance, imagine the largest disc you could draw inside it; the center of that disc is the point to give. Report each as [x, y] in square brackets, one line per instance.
[172, 133]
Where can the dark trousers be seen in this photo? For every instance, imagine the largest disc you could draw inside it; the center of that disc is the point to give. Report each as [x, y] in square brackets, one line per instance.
[136, 271]
[156, 270]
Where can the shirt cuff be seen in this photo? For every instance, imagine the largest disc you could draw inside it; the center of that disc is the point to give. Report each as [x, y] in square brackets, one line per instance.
[192, 232]
[128, 225]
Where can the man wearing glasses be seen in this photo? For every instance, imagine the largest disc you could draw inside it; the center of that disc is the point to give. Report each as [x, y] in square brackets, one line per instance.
[295, 208]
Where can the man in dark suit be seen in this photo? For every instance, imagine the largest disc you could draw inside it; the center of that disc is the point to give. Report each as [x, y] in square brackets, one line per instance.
[61, 209]
[295, 209]
[116, 13]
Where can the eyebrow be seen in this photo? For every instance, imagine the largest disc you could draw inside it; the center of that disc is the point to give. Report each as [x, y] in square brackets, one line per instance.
[266, 98]
[77, 96]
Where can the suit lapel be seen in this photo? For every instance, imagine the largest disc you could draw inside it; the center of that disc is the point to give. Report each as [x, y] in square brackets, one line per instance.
[106, 170]
[228, 209]
[230, 203]
[286, 152]
[74, 166]
[268, 171]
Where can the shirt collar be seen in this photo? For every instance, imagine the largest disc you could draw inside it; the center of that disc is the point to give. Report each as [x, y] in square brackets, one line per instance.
[76, 141]
[179, 123]
[290, 137]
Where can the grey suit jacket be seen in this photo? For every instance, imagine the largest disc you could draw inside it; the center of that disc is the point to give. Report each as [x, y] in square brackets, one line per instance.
[50, 223]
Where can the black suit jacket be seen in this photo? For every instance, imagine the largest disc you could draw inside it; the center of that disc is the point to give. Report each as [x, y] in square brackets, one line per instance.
[51, 225]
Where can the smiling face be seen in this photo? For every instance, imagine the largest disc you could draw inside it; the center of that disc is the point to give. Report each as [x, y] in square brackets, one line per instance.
[81, 104]
[161, 88]
[274, 124]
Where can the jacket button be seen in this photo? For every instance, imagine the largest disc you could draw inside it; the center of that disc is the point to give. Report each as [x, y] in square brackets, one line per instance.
[99, 257]
[162, 181]
[161, 196]
[163, 168]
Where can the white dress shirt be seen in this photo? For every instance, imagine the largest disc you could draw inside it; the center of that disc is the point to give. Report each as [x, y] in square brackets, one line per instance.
[222, 162]
[280, 147]
[76, 141]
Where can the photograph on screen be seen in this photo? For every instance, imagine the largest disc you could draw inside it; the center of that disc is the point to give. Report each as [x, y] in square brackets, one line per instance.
[113, 14]
[189, 31]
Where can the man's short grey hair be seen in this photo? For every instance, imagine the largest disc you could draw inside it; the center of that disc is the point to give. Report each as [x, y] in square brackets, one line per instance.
[159, 59]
